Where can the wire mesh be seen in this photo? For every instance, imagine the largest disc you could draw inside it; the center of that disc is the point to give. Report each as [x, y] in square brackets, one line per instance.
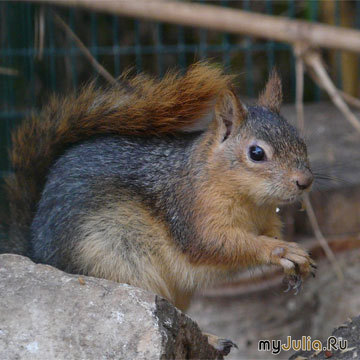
[119, 43]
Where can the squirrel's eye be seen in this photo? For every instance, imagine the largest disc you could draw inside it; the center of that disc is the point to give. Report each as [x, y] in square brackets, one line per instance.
[256, 153]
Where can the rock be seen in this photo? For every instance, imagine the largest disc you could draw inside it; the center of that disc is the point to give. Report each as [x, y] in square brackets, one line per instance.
[347, 338]
[48, 314]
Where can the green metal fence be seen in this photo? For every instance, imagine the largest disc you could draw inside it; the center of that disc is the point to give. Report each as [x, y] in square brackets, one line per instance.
[119, 43]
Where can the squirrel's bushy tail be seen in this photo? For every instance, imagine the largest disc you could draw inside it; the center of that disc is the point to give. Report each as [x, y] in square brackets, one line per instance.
[145, 107]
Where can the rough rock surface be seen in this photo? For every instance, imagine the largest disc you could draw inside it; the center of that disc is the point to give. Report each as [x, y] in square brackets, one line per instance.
[48, 314]
[349, 332]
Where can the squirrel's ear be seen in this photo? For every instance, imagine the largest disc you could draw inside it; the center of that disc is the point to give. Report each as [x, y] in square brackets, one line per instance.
[229, 114]
[271, 97]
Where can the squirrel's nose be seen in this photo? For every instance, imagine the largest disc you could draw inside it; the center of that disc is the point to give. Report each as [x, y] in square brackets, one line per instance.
[304, 179]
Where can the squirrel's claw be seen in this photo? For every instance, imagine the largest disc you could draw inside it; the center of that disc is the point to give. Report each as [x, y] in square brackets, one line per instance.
[293, 282]
[298, 285]
[224, 346]
[295, 261]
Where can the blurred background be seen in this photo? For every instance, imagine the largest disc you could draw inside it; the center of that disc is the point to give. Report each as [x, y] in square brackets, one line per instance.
[38, 57]
[37, 62]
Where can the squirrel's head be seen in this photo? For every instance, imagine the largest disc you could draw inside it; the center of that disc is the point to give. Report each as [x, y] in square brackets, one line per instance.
[256, 152]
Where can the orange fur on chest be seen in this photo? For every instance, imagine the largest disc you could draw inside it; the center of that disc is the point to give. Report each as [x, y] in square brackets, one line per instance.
[225, 222]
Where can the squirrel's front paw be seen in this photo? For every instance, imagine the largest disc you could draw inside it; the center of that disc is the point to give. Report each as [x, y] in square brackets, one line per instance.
[295, 261]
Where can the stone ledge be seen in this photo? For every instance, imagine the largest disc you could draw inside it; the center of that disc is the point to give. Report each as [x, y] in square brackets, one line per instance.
[49, 314]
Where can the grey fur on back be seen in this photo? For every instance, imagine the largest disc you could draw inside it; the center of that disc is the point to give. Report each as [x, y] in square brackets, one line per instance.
[93, 174]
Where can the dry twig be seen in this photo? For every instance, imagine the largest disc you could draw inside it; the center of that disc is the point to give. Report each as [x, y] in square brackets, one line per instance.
[8, 71]
[40, 32]
[100, 69]
[351, 100]
[320, 237]
[224, 19]
[299, 51]
[299, 104]
[313, 60]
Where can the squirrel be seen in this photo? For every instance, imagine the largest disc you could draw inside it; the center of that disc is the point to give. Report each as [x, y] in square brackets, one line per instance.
[168, 185]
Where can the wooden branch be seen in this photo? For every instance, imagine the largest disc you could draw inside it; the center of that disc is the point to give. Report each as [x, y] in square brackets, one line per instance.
[39, 38]
[351, 100]
[320, 237]
[224, 19]
[300, 51]
[299, 104]
[313, 60]
[100, 69]
[8, 71]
